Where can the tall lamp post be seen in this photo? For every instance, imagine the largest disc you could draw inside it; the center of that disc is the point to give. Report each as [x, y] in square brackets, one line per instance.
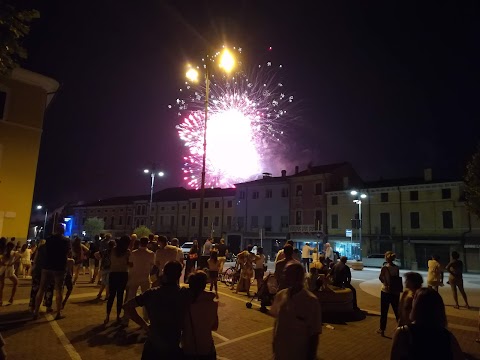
[40, 207]
[152, 173]
[226, 63]
[358, 200]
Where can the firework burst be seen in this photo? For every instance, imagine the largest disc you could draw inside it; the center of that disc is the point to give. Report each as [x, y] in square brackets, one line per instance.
[247, 117]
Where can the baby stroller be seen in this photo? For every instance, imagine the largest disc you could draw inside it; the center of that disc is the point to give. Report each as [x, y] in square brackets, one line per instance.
[266, 293]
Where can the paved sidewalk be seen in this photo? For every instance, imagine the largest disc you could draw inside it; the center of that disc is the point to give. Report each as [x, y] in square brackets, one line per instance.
[243, 333]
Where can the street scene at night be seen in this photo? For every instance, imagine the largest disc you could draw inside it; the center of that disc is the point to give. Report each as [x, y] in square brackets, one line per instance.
[233, 180]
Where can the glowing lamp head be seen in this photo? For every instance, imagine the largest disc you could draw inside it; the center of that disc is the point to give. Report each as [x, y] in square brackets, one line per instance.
[39, 207]
[353, 192]
[146, 171]
[192, 74]
[227, 61]
[363, 196]
[161, 173]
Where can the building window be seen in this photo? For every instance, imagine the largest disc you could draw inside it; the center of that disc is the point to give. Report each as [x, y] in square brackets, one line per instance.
[217, 204]
[267, 223]
[413, 195]
[285, 192]
[298, 217]
[446, 193]
[447, 219]
[192, 221]
[120, 220]
[241, 222]
[205, 221]
[162, 208]
[194, 205]
[184, 220]
[142, 222]
[229, 221]
[334, 221]
[229, 203]
[318, 189]
[298, 190]
[284, 222]
[129, 220]
[161, 220]
[173, 207]
[184, 207]
[105, 220]
[334, 200]
[384, 197]
[137, 223]
[415, 220]
[255, 195]
[318, 218]
[254, 223]
[205, 205]
[268, 193]
[172, 221]
[216, 221]
[242, 195]
[385, 223]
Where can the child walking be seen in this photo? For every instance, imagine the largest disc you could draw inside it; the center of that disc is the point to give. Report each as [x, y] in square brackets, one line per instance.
[68, 277]
[213, 267]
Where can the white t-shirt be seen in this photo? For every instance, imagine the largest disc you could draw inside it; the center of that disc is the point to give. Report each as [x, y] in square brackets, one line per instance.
[162, 256]
[143, 260]
[306, 252]
[298, 317]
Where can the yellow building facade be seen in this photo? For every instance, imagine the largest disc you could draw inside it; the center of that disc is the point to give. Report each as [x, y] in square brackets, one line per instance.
[24, 96]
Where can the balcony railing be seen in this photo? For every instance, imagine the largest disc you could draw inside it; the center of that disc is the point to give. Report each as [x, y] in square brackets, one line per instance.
[302, 228]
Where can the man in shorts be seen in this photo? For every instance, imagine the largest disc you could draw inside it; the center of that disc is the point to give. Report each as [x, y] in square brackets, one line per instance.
[57, 248]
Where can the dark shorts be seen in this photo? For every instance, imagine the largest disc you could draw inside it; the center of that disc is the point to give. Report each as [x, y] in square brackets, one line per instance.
[259, 273]
[213, 275]
[68, 283]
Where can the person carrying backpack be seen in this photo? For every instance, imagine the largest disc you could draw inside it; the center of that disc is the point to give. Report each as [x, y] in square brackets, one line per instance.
[392, 287]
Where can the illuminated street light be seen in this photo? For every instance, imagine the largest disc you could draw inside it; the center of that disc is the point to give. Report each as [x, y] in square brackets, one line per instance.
[40, 207]
[226, 63]
[357, 201]
[152, 173]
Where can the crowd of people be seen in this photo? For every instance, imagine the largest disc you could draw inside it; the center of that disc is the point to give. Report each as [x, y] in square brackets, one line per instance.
[155, 266]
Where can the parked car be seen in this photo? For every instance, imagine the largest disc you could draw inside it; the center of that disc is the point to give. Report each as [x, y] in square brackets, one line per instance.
[377, 260]
[186, 248]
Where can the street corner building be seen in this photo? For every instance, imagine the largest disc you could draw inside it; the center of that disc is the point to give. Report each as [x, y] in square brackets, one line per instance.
[24, 97]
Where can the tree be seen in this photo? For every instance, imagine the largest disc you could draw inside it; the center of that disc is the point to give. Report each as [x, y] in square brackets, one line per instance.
[93, 226]
[472, 184]
[14, 26]
[142, 231]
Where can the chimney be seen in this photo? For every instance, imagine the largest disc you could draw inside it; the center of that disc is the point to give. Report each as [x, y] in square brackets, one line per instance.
[427, 175]
[296, 170]
[284, 173]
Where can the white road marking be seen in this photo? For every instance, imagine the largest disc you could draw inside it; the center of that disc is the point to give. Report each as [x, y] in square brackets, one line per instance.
[243, 337]
[237, 298]
[74, 355]
[223, 338]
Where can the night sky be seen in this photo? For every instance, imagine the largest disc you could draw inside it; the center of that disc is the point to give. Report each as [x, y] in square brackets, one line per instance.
[389, 87]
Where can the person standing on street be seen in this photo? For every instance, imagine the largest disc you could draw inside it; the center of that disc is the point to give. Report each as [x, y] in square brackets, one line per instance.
[167, 306]
[93, 263]
[39, 260]
[57, 248]
[413, 282]
[104, 257]
[329, 255]
[68, 282]
[306, 257]
[141, 262]
[7, 270]
[298, 322]
[391, 289]
[435, 273]
[213, 266]
[342, 277]
[180, 258]
[164, 254]
[79, 252]
[282, 264]
[455, 278]
[222, 254]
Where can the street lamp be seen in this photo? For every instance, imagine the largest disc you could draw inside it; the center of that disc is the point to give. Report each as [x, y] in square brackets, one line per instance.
[40, 207]
[358, 200]
[226, 63]
[152, 173]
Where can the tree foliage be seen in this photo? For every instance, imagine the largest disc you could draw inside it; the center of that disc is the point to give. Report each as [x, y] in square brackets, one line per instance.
[142, 231]
[93, 226]
[14, 26]
[472, 184]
